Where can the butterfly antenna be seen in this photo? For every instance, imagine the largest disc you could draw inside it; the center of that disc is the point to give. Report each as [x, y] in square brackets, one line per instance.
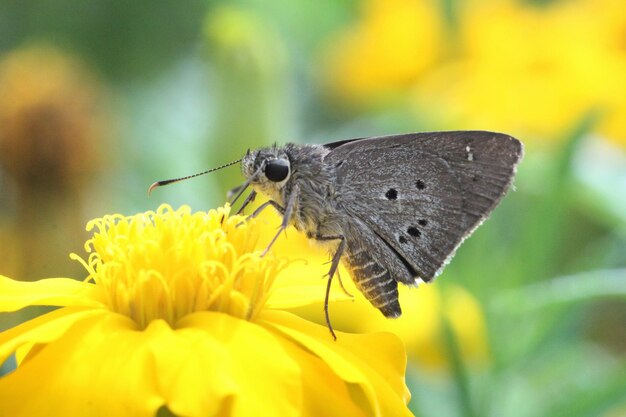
[173, 180]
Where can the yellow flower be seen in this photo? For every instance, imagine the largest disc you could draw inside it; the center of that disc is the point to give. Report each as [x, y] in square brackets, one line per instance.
[421, 326]
[529, 70]
[52, 126]
[179, 314]
[613, 26]
[386, 51]
[50, 123]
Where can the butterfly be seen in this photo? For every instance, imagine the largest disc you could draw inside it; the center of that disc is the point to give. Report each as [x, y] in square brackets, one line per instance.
[393, 209]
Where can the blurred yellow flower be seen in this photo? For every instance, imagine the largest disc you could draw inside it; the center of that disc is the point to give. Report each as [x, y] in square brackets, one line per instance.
[530, 70]
[49, 121]
[176, 315]
[51, 134]
[385, 51]
[421, 326]
[613, 26]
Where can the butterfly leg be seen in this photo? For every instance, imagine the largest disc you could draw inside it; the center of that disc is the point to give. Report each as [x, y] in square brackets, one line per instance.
[343, 288]
[282, 227]
[287, 212]
[263, 206]
[249, 199]
[231, 193]
[334, 264]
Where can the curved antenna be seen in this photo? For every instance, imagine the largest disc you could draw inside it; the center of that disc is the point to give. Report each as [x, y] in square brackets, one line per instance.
[173, 180]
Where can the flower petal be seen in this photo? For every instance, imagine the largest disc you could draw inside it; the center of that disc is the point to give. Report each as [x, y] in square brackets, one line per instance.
[231, 355]
[324, 393]
[212, 365]
[109, 361]
[105, 376]
[43, 329]
[15, 295]
[304, 283]
[373, 362]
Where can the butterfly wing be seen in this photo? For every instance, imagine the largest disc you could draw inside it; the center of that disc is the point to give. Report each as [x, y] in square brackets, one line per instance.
[420, 195]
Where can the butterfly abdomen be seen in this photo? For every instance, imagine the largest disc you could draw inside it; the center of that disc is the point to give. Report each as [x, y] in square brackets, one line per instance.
[374, 281]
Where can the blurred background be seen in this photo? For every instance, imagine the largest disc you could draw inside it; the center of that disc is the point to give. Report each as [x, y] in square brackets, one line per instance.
[99, 99]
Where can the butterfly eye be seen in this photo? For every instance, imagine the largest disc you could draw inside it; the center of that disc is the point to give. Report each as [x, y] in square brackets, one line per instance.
[277, 170]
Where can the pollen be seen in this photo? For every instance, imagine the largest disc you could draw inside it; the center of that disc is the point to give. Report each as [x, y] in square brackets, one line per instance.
[166, 264]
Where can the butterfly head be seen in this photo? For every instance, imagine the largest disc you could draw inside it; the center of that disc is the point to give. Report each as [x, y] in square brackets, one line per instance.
[267, 169]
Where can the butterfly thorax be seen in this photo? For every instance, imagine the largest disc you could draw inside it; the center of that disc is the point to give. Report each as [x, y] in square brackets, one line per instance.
[315, 212]
[310, 178]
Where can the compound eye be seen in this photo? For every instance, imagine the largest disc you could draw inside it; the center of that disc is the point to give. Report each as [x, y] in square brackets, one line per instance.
[277, 170]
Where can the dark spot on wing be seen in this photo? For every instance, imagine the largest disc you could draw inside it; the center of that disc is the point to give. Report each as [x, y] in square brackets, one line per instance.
[422, 222]
[420, 184]
[413, 231]
[475, 178]
[391, 194]
[402, 239]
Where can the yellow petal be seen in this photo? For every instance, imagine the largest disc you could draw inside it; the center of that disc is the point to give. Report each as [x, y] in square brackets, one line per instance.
[96, 368]
[324, 393]
[304, 283]
[43, 329]
[15, 295]
[234, 357]
[214, 364]
[374, 363]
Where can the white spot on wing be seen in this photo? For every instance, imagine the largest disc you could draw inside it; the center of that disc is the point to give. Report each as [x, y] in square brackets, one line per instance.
[470, 154]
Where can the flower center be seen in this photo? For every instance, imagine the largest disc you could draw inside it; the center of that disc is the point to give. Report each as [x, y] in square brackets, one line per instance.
[170, 263]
